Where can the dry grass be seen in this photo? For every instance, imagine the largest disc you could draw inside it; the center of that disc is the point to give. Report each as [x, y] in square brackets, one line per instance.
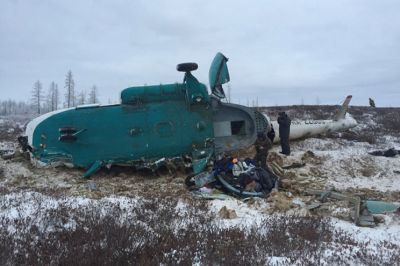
[158, 233]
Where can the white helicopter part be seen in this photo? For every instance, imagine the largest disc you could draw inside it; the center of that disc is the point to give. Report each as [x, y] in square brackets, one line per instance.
[309, 128]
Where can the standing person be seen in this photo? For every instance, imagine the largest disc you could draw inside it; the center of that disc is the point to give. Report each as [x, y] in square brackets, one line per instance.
[262, 145]
[284, 132]
[371, 102]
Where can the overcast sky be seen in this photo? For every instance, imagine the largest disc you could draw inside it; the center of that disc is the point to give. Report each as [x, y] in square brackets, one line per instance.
[279, 51]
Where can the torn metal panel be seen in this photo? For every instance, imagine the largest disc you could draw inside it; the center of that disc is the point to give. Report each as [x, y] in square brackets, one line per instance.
[380, 207]
[362, 215]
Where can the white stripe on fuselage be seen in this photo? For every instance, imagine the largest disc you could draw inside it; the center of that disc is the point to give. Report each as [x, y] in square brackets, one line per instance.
[307, 128]
[30, 128]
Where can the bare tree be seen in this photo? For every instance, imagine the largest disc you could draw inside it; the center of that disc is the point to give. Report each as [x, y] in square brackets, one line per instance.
[82, 97]
[37, 95]
[70, 87]
[93, 97]
[56, 97]
[52, 97]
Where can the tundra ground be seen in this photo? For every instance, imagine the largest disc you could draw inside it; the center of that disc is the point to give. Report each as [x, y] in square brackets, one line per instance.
[119, 216]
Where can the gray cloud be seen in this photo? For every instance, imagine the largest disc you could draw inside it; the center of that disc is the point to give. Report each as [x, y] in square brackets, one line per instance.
[280, 51]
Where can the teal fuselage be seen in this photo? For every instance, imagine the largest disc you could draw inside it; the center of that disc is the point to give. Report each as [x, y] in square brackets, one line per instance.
[150, 123]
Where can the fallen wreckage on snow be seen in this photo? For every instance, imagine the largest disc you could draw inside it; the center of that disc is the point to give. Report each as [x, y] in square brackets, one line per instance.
[363, 209]
[241, 178]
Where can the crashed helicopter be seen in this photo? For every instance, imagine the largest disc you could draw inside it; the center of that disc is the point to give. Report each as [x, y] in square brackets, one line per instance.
[179, 122]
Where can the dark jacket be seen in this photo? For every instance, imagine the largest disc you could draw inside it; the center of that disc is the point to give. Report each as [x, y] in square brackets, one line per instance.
[284, 125]
[284, 132]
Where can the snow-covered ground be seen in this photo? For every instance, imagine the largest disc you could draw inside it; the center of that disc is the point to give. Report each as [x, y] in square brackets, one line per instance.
[347, 164]
[33, 209]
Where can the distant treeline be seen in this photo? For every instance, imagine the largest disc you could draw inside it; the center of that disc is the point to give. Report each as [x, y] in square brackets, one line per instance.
[43, 101]
[11, 107]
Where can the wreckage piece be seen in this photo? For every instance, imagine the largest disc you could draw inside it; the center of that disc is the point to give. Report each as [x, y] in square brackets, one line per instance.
[386, 153]
[381, 207]
[7, 154]
[152, 122]
[7, 150]
[294, 165]
[197, 181]
[94, 168]
[238, 192]
[362, 216]
[265, 179]
[276, 168]
[215, 194]
[201, 183]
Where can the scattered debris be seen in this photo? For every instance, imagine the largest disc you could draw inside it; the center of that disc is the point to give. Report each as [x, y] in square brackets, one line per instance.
[6, 155]
[294, 165]
[313, 205]
[238, 177]
[281, 201]
[257, 182]
[92, 186]
[311, 157]
[363, 209]
[300, 183]
[226, 213]
[200, 180]
[275, 157]
[7, 150]
[215, 194]
[276, 168]
[381, 207]
[392, 152]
